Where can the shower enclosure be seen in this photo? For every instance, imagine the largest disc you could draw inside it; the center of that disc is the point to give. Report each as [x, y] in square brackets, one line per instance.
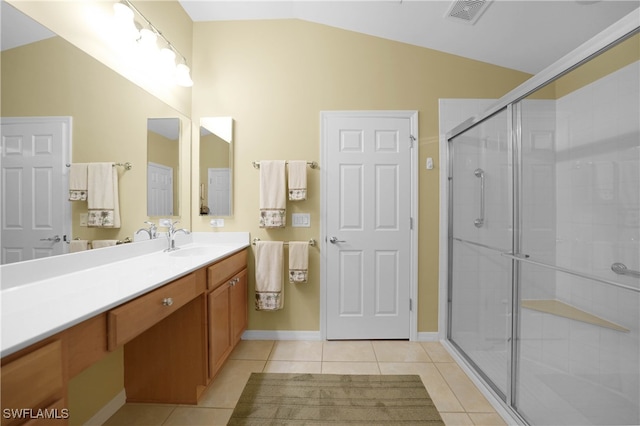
[544, 242]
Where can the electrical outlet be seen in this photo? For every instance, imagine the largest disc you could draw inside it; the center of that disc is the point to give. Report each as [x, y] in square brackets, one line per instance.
[217, 223]
[83, 219]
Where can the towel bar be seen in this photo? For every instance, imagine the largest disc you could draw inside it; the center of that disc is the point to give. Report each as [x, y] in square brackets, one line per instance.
[312, 164]
[312, 242]
[127, 165]
[125, 241]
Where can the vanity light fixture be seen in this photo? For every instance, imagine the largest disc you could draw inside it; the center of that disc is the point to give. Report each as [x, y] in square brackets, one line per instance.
[147, 35]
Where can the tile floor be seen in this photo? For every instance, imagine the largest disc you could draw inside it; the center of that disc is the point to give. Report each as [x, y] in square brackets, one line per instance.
[455, 396]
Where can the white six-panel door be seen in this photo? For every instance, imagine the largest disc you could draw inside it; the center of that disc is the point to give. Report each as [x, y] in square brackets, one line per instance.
[219, 191]
[159, 190]
[368, 226]
[35, 211]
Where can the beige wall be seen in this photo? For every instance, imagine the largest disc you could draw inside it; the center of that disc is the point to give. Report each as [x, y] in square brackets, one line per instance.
[274, 77]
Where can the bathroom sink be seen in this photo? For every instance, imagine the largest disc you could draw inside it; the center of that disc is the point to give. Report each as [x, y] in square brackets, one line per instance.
[199, 251]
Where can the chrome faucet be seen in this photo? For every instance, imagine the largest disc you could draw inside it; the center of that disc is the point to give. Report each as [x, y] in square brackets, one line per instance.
[171, 235]
[152, 231]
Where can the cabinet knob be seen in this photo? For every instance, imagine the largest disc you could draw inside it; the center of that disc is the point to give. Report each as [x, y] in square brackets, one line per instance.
[234, 281]
[167, 301]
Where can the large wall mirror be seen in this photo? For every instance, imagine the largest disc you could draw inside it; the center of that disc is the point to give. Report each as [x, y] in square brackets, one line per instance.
[216, 166]
[107, 121]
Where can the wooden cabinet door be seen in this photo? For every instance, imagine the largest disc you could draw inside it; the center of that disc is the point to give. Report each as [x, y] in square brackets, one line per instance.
[33, 381]
[239, 309]
[219, 327]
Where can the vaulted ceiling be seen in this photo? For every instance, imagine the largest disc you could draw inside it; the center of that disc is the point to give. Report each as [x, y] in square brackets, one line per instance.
[523, 35]
[517, 34]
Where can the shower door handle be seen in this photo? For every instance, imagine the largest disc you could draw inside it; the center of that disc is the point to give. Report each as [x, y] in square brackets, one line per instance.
[479, 173]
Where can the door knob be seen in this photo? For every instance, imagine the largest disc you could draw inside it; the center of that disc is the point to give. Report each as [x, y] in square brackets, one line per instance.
[335, 240]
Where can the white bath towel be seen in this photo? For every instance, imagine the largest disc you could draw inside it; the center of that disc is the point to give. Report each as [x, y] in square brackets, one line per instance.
[298, 261]
[78, 245]
[273, 197]
[297, 180]
[102, 198]
[269, 265]
[96, 244]
[78, 182]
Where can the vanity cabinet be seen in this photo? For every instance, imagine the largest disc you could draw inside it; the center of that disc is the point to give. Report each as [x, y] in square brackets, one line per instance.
[34, 387]
[176, 338]
[167, 362]
[227, 308]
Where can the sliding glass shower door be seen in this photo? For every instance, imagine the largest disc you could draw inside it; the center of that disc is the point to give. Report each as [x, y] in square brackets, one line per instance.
[544, 246]
[579, 318]
[480, 279]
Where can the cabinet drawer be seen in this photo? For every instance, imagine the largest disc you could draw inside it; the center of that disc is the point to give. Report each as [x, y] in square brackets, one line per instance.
[131, 319]
[221, 271]
[33, 381]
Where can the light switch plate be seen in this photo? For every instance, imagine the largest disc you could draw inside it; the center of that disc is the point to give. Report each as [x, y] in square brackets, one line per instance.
[83, 219]
[301, 220]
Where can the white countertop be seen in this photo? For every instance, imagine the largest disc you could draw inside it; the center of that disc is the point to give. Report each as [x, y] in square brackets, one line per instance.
[41, 297]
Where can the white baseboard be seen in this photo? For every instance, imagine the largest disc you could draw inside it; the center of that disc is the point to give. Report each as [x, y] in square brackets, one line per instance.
[280, 335]
[108, 410]
[428, 337]
[313, 335]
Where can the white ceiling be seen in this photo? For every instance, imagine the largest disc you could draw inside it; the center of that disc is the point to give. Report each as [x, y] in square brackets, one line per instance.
[523, 35]
[517, 34]
[18, 29]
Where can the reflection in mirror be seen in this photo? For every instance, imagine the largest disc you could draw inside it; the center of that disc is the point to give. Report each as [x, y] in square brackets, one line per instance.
[163, 137]
[216, 166]
[105, 115]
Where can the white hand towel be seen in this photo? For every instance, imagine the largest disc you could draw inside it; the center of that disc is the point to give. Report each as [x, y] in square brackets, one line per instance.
[269, 264]
[96, 244]
[102, 199]
[78, 182]
[78, 245]
[298, 261]
[273, 198]
[297, 180]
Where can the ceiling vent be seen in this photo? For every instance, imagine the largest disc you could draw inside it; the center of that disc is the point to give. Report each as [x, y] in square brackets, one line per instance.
[467, 11]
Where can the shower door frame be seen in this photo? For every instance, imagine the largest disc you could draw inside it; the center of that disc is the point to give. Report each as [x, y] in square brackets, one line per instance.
[615, 34]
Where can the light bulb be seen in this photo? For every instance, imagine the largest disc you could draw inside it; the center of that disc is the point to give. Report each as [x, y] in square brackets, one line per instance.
[124, 22]
[122, 12]
[166, 67]
[168, 58]
[182, 76]
[148, 39]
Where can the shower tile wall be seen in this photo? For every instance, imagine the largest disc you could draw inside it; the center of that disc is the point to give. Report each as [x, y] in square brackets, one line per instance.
[592, 372]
